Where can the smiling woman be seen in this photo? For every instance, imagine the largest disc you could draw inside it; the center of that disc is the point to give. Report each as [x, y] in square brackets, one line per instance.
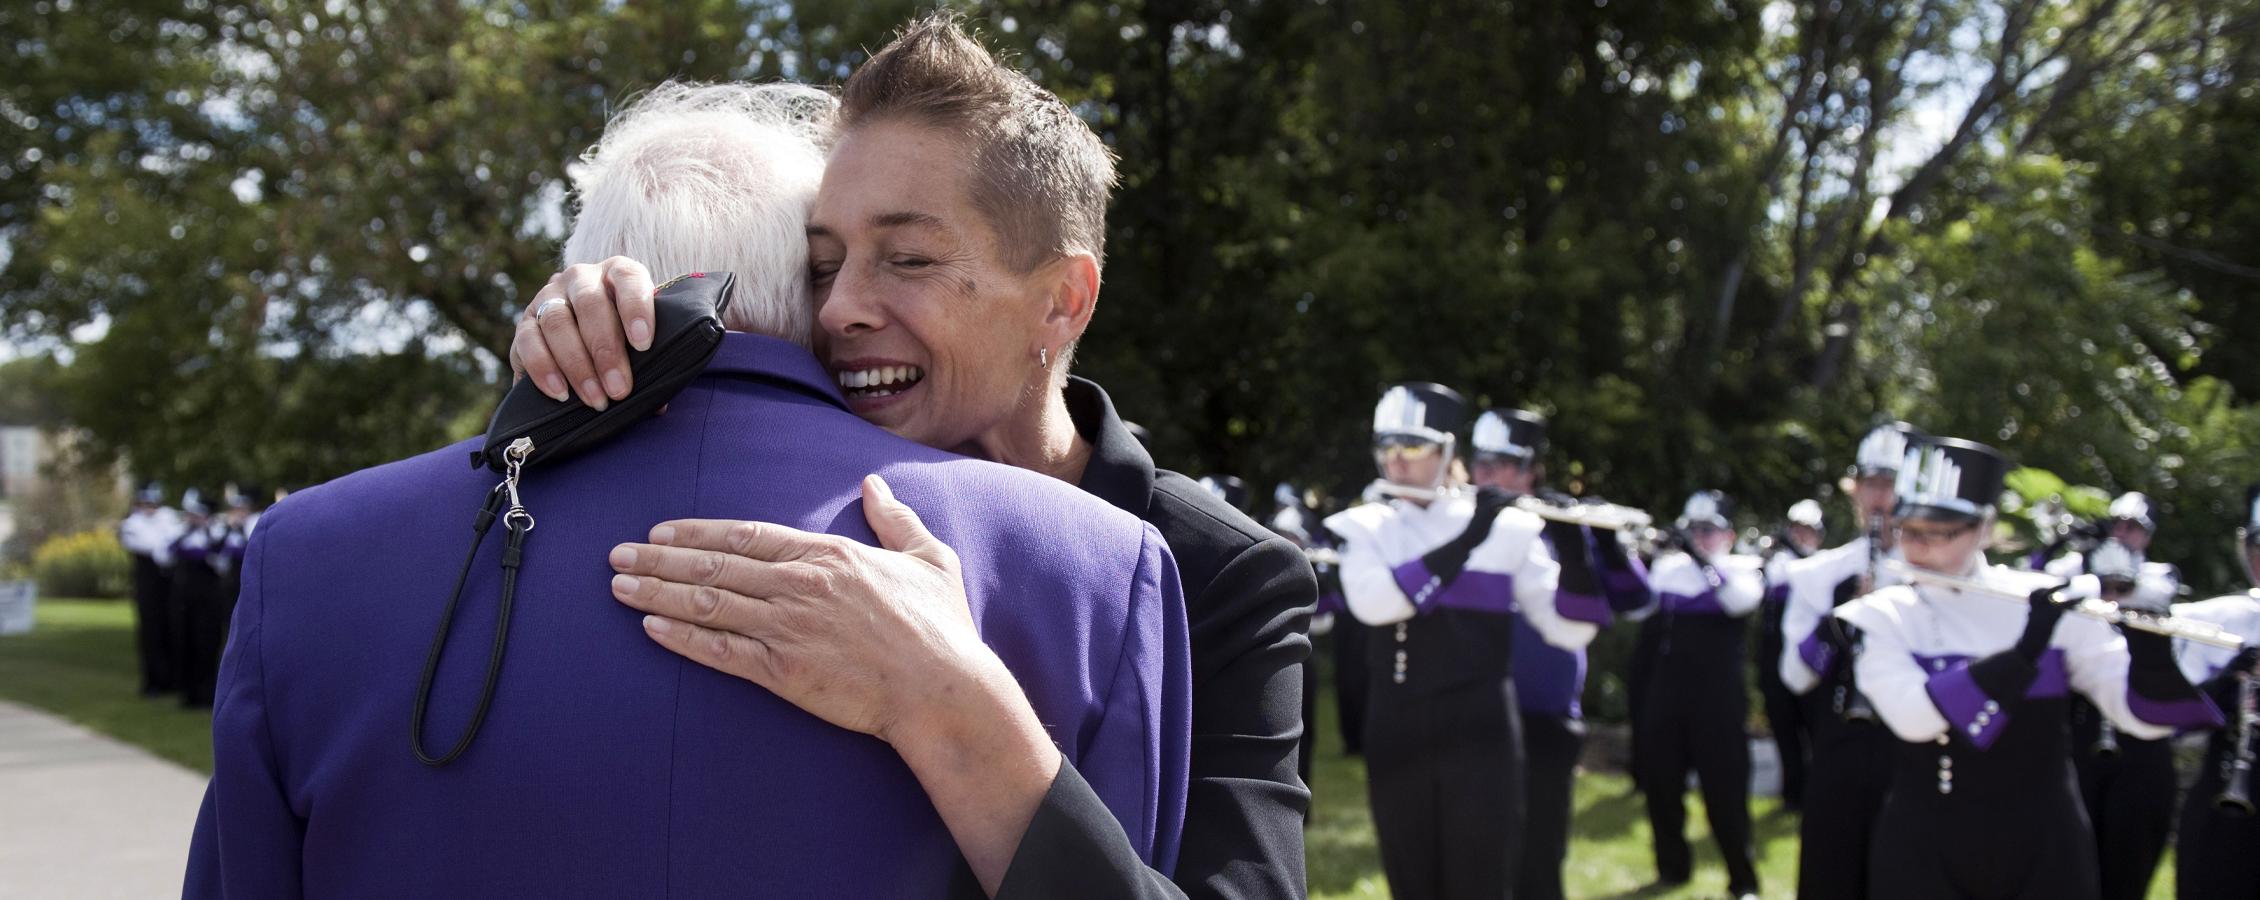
[955, 249]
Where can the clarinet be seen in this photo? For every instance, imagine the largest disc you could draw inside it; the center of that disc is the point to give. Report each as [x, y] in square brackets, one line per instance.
[2236, 787]
[1850, 702]
[2106, 738]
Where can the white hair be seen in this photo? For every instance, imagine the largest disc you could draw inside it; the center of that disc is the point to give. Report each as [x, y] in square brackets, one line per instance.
[712, 177]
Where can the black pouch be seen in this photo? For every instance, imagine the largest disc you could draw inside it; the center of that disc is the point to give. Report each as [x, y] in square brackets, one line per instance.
[686, 331]
[529, 428]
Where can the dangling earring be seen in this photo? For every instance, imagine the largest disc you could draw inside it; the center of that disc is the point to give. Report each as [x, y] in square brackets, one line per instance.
[1043, 357]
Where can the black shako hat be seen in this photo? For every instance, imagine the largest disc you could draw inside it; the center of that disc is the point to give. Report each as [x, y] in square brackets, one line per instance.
[1419, 409]
[1512, 433]
[1228, 488]
[1949, 478]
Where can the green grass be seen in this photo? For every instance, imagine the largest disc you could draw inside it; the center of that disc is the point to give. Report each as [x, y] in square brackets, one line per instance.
[79, 663]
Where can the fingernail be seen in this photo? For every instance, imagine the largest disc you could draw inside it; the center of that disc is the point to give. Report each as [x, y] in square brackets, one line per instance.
[625, 585]
[616, 384]
[593, 395]
[662, 534]
[658, 625]
[554, 386]
[639, 334]
[623, 556]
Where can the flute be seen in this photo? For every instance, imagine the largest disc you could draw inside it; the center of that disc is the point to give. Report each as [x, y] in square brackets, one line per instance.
[2092, 607]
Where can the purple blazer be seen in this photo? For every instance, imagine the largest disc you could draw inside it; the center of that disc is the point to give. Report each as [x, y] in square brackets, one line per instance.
[607, 766]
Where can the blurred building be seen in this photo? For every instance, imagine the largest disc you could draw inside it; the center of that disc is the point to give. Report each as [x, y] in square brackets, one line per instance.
[24, 452]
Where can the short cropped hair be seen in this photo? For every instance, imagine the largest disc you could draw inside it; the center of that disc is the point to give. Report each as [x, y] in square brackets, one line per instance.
[1041, 176]
[712, 177]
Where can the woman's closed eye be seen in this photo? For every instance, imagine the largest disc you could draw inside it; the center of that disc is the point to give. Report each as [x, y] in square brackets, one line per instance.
[823, 271]
[910, 262]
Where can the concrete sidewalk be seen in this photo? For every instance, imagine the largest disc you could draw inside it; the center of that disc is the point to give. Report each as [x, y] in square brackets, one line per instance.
[82, 815]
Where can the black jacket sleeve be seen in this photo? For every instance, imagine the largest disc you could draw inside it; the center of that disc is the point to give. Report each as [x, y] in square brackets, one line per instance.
[1244, 807]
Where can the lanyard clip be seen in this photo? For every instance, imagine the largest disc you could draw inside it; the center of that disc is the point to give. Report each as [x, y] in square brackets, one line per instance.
[515, 459]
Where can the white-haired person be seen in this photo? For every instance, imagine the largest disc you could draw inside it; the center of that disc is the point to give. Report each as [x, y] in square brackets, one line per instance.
[956, 247]
[1976, 689]
[571, 744]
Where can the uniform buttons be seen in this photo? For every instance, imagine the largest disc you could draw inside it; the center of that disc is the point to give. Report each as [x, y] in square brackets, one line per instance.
[1399, 677]
[1942, 740]
[1976, 729]
[1992, 707]
[1938, 665]
[1945, 762]
[1946, 787]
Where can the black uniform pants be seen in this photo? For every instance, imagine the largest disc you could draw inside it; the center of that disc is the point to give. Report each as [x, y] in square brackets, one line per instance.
[153, 629]
[2130, 799]
[1551, 748]
[2216, 853]
[1695, 715]
[1445, 775]
[207, 602]
[1844, 793]
[1350, 685]
[1785, 711]
[1926, 849]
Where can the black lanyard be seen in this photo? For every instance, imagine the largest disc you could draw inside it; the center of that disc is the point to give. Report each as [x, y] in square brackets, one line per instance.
[518, 523]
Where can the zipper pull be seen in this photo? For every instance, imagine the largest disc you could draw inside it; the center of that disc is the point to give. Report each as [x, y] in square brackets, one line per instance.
[514, 458]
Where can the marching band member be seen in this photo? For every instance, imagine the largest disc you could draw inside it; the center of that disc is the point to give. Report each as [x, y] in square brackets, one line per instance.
[1982, 801]
[2127, 781]
[1850, 767]
[147, 534]
[1443, 570]
[2213, 852]
[1784, 718]
[1549, 679]
[1695, 705]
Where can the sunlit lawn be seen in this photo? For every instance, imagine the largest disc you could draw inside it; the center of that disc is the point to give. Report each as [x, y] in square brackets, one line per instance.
[79, 663]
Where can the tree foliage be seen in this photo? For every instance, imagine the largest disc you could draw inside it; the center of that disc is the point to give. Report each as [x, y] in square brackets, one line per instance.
[279, 240]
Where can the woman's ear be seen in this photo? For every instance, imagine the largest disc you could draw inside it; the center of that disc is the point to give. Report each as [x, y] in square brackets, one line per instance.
[1071, 294]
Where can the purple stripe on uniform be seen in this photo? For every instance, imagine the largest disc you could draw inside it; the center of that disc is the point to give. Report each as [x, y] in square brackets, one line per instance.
[2195, 711]
[1818, 654]
[1331, 602]
[1581, 607]
[185, 551]
[1420, 585]
[1491, 592]
[2053, 680]
[1703, 604]
[1965, 706]
[1548, 679]
[1627, 589]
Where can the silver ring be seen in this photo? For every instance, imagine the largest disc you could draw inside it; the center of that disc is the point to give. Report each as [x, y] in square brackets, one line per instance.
[549, 304]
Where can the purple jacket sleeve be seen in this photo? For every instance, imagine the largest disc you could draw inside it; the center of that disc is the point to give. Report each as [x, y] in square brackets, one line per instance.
[1624, 581]
[1138, 756]
[248, 838]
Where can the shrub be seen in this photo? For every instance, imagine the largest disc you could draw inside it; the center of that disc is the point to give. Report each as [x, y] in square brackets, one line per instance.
[86, 564]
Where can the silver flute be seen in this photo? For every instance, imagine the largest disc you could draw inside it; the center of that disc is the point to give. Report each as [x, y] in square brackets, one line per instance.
[1604, 516]
[2092, 607]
